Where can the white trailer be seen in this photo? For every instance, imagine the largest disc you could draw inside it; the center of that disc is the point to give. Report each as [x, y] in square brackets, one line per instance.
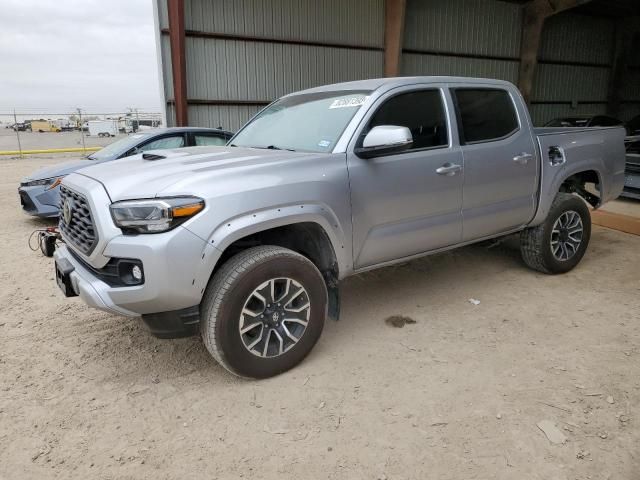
[103, 128]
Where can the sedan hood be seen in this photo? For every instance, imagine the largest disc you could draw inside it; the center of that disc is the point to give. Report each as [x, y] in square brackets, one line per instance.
[184, 171]
[58, 170]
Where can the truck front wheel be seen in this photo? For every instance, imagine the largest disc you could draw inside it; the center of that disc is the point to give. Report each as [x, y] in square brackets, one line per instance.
[558, 244]
[263, 311]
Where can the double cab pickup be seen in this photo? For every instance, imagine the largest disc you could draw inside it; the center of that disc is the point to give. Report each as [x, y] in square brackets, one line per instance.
[246, 243]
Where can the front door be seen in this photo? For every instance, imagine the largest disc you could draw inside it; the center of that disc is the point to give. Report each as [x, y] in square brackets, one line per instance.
[500, 164]
[405, 203]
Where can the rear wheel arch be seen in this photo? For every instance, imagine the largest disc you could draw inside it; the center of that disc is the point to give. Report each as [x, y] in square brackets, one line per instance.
[577, 182]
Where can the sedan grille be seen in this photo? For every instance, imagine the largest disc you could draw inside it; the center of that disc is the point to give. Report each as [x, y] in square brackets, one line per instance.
[76, 223]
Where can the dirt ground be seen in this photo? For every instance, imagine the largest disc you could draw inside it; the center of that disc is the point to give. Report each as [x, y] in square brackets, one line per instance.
[456, 395]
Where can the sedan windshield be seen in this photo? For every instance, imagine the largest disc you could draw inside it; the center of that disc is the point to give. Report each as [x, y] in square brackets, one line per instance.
[311, 122]
[114, 149]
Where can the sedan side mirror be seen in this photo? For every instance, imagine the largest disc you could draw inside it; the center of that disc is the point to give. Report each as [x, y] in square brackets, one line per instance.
[385, 140]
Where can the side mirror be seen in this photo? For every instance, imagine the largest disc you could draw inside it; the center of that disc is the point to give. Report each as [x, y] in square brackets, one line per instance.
[385, 140]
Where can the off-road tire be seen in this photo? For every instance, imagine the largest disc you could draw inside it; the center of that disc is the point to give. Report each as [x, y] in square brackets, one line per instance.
[535, 242]
[224, 300]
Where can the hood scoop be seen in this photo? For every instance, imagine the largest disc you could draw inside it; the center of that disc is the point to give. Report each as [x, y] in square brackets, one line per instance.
[152, 156]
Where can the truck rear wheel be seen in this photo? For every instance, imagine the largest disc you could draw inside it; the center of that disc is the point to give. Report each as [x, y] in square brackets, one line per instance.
[263, 311]
[558, 244]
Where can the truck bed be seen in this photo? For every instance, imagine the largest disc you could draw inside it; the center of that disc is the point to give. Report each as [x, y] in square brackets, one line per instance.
[583, 149]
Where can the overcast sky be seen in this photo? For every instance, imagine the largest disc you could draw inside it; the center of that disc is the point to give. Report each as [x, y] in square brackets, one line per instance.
[57, 55]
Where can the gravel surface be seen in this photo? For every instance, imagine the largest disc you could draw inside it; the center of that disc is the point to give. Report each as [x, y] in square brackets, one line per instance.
[538, 377]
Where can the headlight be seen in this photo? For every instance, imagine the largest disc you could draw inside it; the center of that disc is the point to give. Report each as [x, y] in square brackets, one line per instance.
[52, 182]
[155, 214]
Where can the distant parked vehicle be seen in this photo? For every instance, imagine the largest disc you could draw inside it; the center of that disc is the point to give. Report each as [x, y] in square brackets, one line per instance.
[20, 127]
[633, 126]
[586, 121]
[44, 126]
[632, 166]
[103, 128]
[40, 191]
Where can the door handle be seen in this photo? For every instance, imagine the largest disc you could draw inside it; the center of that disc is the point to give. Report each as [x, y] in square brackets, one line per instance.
[523, 158]
[449, 169]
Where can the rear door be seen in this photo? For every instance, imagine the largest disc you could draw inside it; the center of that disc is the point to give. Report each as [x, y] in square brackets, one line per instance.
[501, 168]
[401, 205]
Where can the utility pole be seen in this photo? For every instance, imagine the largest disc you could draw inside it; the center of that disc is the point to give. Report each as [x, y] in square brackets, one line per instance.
[15, 126]
[137, 124]
[84, 149]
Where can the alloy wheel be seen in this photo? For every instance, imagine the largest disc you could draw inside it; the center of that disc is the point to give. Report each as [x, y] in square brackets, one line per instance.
[274, 317]
[566, 235]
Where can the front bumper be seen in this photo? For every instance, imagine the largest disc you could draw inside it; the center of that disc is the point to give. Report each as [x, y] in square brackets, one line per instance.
[91, 290]
[40, 202]
[175, 265]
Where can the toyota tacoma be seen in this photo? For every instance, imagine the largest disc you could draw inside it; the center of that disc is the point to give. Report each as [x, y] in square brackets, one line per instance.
[246, 243]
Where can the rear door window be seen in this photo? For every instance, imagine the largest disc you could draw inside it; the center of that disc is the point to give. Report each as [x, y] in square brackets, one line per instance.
[484, 114]
[176, 141]
[201, 139]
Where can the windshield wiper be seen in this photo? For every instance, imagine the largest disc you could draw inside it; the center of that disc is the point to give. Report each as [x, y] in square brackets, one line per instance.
[273, 147]
[270, 147]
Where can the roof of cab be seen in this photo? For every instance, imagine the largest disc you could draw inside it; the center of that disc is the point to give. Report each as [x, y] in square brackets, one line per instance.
[391, 82]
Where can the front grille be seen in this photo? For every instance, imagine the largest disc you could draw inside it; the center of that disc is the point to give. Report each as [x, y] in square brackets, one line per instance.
[76, 223]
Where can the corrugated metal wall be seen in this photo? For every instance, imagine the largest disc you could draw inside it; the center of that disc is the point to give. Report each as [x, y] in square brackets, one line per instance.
[572, 78]
[453, 37]
[482, 38]
[459, 37]
[480, 27]
[354, 21]
[252, 70]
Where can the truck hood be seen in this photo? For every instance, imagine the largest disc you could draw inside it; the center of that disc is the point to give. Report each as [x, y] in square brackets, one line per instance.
[180, 171]
[58, 170]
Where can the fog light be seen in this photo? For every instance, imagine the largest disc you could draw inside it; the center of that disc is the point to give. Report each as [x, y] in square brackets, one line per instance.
[136, 271]
[131, 272]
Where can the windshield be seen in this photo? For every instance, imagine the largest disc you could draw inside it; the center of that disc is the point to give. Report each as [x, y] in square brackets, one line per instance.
[311, 122]
[116, 148]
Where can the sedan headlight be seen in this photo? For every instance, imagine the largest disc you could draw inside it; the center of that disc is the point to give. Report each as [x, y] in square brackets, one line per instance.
[50, 183]
[154, 215]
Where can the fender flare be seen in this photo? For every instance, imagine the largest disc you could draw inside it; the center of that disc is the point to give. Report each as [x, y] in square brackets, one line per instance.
[236, 228]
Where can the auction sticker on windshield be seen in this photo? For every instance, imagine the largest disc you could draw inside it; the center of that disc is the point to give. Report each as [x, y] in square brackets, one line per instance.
[355, 101]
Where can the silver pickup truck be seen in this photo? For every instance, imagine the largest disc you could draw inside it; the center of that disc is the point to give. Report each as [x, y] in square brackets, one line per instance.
[247, 243]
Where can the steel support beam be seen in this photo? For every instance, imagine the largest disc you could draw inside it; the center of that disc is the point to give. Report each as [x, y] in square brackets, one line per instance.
[394, 12]
[535, 12]
[178, 60]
